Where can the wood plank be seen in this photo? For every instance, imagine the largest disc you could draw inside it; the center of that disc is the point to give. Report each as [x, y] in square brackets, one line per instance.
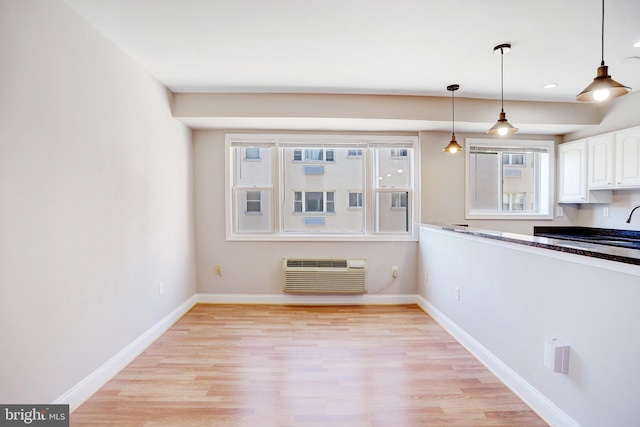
[249, 365]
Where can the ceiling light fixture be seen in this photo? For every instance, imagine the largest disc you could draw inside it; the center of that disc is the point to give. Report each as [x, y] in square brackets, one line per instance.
[603, 86]
[502, 127]
[453, 146]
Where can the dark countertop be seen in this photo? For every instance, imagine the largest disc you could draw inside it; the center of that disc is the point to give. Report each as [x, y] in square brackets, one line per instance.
[594, 250]
[606, 236]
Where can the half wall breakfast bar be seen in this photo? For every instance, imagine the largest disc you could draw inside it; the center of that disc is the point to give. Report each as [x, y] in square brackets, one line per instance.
[505, 295]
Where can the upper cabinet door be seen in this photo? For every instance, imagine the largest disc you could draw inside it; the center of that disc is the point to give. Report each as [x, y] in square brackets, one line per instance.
[601, 162]
[573, 172]
[628, 158]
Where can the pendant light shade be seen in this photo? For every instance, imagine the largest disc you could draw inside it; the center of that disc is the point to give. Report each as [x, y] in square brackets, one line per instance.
[453, 146]
[502, 127]
[603, 86]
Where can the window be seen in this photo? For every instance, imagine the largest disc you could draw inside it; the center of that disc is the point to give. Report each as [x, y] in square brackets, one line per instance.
[252, 153]
[253, 201]
[513, 201]
[355, 200]
[364, 187]
[314, 155]
[314, 201]
[509, 179]
[398, 153]
[513, 159]
[399, 200]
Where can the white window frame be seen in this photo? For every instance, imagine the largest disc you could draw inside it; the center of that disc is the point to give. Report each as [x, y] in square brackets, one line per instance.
[547, 190]
[368, 144]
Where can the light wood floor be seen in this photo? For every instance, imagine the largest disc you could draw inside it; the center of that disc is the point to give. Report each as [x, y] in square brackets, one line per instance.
[258, 366]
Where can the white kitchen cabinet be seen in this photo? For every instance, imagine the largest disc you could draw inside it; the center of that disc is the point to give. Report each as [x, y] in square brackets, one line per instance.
[572, 168]
[628, 158]
[601, 155]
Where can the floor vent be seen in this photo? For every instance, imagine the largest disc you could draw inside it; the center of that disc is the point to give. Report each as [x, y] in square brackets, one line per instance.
[324, 276]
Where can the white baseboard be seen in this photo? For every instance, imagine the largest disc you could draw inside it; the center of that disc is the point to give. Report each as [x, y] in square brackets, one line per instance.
[98, 378]
[292, 299]
[545, 408]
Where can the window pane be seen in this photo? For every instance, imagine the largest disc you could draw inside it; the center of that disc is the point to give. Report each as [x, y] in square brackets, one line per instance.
[297, 201]
[313, 154]
[393, 171]
[254, 216]
[355, 200]
[388, 218]
[331, 202]
[253, 201]
[512, 178]
[313, 202]
[253, 174]
[318, 195]
[329, 155]
[252, 153]
[484, 181]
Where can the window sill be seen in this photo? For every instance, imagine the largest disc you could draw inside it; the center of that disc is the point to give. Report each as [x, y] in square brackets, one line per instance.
[493, 215]
[321, 238]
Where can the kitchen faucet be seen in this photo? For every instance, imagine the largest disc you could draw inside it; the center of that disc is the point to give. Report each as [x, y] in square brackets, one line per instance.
[631, 214]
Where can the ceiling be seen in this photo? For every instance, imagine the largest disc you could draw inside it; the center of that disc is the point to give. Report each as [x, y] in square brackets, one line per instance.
[391, 47]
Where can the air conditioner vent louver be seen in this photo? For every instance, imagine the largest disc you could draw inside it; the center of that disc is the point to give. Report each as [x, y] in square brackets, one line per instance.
[317, 263]
[324, 276]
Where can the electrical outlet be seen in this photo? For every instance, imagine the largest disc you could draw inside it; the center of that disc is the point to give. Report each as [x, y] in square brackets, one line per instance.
[160, 288]
[218, 270]
[559, 211]
[394, 271]
[426, 275]
[457, 293]
[605, 211]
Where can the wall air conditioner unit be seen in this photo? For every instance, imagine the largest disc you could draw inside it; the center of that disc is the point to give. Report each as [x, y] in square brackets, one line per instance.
[324, 276]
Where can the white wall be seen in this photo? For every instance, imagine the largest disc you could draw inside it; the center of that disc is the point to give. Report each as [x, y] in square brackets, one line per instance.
[514, 298]
[96, 201]
[255, 267]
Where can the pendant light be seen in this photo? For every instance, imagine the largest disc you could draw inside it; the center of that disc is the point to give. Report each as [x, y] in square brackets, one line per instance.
[453, 146]
[603, 86]
[502, 127]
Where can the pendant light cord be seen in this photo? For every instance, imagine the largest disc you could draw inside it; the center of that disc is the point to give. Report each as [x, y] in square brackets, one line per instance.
[453, 114]
[602, 36]
[502, 80]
